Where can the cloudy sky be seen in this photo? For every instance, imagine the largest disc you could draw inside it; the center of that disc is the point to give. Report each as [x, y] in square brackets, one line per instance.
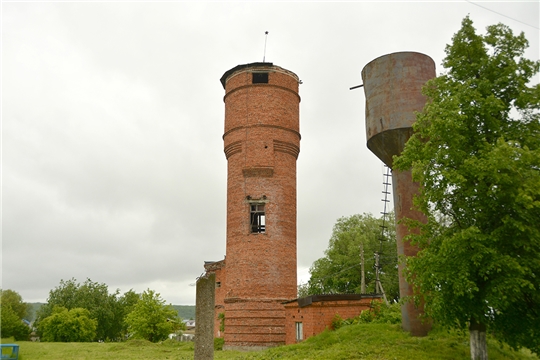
[112, 117]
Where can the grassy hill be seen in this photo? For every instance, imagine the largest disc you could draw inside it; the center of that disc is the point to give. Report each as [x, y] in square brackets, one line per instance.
[385, 341]
[363, 341]
[186, 312]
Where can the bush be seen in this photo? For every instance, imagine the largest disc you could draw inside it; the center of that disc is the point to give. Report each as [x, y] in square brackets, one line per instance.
[218, 343]
[65, 325]
[337, 322]
[12, 326]
[379, 313]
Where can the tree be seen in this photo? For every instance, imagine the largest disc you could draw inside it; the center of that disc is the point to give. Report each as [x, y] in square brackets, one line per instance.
[476, 154]
[65, 325]
[341, 269]
[127, 304]
[12, 311]
[151, 319]
[109, 309]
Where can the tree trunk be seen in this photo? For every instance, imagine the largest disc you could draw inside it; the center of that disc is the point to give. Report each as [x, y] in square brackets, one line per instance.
[478, 342]
[362, 272]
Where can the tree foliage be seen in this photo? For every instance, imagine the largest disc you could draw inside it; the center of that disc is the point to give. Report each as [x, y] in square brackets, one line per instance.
[108, 309]
[12, 311]
[339, 271]
[151, 319]
[476, 154]
[65, 325]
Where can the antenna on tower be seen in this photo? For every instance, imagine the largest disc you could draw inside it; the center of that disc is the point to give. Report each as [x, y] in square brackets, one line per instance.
[265, 37]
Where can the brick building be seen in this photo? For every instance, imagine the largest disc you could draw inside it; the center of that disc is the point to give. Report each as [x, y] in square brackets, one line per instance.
[309, 316]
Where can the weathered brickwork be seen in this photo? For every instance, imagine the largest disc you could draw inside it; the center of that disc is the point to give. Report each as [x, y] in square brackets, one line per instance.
[218, 268]
[261, 144]
[318, 313]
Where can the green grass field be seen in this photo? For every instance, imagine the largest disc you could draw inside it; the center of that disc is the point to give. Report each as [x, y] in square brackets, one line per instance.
[365, 341]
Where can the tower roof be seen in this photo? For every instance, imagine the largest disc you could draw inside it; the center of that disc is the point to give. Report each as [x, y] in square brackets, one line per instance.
[240, 67]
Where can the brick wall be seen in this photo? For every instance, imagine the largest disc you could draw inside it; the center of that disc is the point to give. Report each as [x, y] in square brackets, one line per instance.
[261, 144]
[218, 268]
[318, 316]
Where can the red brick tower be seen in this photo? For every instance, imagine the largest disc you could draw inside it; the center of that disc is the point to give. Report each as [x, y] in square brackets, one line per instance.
[261, 142]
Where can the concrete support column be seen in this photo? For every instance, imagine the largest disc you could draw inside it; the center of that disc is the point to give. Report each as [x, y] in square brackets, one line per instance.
[404, 190]
[204, 316]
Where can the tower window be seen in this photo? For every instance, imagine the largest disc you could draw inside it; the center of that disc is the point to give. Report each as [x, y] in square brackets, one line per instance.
[257, 218]
[260, 78]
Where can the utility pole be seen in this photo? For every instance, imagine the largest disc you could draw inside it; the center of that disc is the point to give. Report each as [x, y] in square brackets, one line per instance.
[378, 285]
[362, 270]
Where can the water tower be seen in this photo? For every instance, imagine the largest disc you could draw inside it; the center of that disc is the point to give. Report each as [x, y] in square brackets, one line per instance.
[261, 143]
[392, 85]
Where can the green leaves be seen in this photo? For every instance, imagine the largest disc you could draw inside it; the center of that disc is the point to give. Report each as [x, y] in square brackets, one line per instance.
[108, 309]
[151, 319]
[65, 325]
[12, 311]
[476, 154]
[339, 271]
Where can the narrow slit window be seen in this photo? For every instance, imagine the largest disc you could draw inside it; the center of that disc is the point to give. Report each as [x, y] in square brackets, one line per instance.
[260, 78]
[257, 218]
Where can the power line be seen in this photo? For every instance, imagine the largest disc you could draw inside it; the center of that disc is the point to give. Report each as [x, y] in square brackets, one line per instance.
[506, 16]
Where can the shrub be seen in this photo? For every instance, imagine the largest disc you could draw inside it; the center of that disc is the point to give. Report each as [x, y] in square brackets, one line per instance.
[337, 322]
[379, 313]
[68, 325]
[218, 343]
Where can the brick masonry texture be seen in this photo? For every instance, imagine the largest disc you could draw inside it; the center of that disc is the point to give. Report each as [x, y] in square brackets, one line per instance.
[318, 316]
[261, 143]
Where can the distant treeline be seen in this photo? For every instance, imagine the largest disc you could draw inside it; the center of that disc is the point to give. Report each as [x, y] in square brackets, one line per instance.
[186, 312]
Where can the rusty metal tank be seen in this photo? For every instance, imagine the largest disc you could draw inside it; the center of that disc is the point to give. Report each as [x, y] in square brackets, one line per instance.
[392, 86]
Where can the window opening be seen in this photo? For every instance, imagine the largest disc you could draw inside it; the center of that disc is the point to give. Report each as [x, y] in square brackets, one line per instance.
[218, 284]
[257, 218]
[299, 331]
[260, 78]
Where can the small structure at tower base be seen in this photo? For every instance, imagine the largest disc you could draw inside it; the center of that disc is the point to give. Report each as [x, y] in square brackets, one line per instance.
[311, 315]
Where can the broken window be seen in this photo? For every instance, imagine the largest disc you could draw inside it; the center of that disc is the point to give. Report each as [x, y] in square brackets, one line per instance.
[257, 218]
[299, 331]
[260, 78]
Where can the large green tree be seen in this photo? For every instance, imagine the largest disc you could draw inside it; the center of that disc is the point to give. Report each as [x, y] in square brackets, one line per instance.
[108, 309]
[340, 271]
[151, 319]
[476, 154]
[12, 311]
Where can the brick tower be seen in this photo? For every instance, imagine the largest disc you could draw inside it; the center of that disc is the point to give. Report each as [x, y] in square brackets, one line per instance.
[261, 143]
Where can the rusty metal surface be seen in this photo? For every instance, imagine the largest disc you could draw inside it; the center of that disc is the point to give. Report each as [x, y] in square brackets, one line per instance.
[392, 86]
[404, 190]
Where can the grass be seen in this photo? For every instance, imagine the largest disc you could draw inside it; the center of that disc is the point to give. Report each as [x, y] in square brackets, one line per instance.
[363, 341]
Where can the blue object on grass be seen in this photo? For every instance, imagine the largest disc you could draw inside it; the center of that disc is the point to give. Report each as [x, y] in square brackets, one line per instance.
[10, 351]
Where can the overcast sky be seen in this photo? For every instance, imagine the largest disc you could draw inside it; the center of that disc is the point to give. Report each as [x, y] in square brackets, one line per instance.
[112, 121]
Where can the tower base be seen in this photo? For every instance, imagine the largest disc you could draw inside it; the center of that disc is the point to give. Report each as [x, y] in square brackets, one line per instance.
[254, 324]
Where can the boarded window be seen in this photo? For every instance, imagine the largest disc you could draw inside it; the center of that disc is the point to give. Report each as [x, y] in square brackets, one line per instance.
[260, 78]
[257, 218]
